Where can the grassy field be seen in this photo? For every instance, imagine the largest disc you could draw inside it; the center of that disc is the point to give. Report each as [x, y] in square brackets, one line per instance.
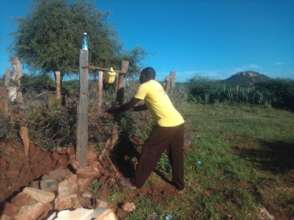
[241, 160]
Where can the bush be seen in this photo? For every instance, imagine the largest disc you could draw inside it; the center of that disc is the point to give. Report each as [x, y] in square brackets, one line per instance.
[278, 93]
[53, 127]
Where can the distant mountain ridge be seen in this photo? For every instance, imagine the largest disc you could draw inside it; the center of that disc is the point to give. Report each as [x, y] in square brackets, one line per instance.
[246, 78]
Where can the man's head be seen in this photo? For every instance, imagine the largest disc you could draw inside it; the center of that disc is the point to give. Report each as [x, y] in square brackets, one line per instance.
[147, 74]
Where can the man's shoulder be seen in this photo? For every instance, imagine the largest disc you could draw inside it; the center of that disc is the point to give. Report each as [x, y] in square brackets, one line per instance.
[150, 83]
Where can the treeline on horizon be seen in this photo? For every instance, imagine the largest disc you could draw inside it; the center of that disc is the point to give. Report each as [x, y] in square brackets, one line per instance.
[277, 93]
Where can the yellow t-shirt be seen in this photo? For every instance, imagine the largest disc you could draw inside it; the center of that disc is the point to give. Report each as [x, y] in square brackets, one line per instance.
[159, 103]
[111, 76]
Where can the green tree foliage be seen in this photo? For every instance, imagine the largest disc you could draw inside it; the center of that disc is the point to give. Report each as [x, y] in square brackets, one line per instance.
[49, 37]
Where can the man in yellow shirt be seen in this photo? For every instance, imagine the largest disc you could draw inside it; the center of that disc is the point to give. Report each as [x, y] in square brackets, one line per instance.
[168, 134]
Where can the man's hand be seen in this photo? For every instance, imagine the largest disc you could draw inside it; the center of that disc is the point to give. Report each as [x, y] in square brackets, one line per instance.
[112, 110]
[124, 107]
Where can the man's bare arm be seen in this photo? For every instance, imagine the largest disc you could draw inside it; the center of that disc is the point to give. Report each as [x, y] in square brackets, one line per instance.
[124, 107]
[142, 107]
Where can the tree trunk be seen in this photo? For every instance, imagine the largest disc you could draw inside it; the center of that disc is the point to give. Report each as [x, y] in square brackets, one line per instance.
[58, 86]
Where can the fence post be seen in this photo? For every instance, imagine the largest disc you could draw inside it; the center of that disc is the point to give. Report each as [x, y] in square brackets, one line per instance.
[82, 127]
[121, 81]
[172, 79]
[100, 91]
[167, 84]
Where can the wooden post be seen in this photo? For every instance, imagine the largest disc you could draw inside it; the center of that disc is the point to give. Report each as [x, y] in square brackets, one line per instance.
[82, 127]
[167, 83]
[100, 91]
[121, 82]
[172, 79]
[3, 101]
[58, 86]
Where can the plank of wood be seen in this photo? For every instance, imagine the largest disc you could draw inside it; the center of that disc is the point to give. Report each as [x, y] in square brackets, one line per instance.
[82, 127]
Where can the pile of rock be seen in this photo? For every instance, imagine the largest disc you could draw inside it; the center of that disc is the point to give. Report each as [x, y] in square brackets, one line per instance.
[59, 190]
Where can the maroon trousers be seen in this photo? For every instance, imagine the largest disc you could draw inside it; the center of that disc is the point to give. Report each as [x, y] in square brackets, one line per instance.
[161, 139]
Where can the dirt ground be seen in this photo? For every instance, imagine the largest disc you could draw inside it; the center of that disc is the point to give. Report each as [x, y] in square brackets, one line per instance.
[17, 171]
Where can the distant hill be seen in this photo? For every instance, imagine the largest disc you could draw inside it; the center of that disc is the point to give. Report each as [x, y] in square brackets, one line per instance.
[246, 78]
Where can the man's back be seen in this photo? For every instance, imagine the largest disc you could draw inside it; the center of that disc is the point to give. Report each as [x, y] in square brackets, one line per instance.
[159, 103]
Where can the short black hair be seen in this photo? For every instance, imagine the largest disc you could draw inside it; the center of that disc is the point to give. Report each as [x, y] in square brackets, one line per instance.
[149, 73]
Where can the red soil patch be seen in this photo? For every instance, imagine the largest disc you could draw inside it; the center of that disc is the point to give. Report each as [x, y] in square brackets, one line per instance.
[17, 171]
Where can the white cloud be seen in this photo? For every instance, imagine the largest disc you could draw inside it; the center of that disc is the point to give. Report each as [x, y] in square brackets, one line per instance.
[279, 63]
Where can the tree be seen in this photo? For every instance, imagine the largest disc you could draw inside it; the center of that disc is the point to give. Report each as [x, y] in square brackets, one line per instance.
[49, 38]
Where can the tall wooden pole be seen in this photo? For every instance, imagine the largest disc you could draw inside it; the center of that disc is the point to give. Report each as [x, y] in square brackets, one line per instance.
[82, 127]
[100, 91]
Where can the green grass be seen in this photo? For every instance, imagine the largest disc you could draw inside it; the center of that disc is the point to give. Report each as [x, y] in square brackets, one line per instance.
[238, 163]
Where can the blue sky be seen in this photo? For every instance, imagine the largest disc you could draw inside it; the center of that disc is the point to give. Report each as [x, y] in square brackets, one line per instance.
[213, 38]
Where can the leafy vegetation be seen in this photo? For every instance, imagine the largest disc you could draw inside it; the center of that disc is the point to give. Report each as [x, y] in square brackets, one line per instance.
[276, 93]
[49, 39]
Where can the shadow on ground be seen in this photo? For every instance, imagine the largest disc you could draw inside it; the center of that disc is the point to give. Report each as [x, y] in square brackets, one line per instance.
[275, 156]
[123, 155]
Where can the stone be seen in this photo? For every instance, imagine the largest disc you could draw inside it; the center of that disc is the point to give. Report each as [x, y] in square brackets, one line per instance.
[59, 174]
[63, 161]
[67, 202]
[265, 215]
[52, 216]
[87, 194]
[49, 185]
[84, 183]
[91, 156]
[72, 158]
[5, 217]
[61, 150]
[87, 200]
[35, 184]
[87, 172]
[10, 209]
[153, 216]
[128, 206]
[84, 214]
[71, 151]
[33, 211]
[68, 186]
[21, 199]
[77, 214]
[105, 214]
[75, 164]
[101, 204]
[39, 195]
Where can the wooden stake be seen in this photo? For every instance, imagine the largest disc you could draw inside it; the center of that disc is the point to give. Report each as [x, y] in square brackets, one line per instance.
[58, 86]
[121, 82]
[172, 79]
[167, 83]
[24, 134]
[82, 127]
[100, 91]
